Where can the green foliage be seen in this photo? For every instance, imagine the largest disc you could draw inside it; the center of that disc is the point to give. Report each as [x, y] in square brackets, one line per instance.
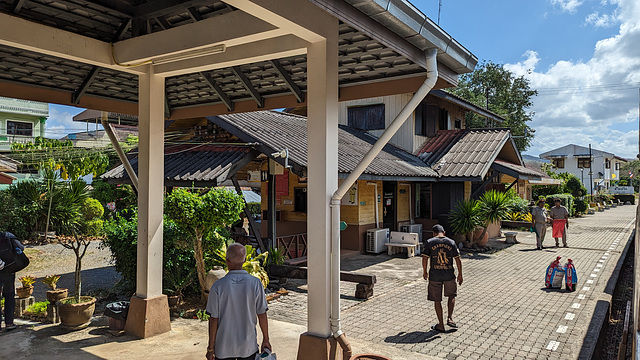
[255, 208]
[91, 209]
[94, 227]
[38, 308]
[202, 315]
[493, 206]
[53, 154]
[276, 257]
[122, 238]
[202, 215]
[580, 206]
[120, 196]
[625, 197]
[10, 216]
[492, 86]
[465, 217]
[566, 200]
[27, 281]
[254, 263]
[51, 281]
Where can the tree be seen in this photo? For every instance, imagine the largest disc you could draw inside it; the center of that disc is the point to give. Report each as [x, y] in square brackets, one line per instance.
[201, 215]
[493, 87]
[628, 169]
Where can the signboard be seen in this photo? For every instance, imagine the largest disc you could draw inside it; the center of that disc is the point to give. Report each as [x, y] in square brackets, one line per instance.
[621, 190]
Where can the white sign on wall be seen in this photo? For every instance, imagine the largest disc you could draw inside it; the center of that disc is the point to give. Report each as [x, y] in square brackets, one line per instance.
[621, 190]
[351, 197]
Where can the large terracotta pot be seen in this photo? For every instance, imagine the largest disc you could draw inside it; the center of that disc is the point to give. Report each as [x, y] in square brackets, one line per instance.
[485, 239]
[54, 295]
[24, 292]
[214, 275]
[76, 316]
[173, 300]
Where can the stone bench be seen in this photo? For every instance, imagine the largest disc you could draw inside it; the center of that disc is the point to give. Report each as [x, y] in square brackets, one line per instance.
[398, 241]
[510, 237]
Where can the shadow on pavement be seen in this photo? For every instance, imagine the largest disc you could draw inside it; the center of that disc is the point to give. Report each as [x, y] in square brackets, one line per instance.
[415, 337]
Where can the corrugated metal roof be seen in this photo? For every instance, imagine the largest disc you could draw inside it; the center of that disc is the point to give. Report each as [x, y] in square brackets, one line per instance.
[276, 131]
[186, 164]
[520, 169]
[464, 153]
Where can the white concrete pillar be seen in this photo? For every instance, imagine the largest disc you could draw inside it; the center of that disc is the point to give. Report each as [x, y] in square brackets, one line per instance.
[151, 184]
[322, 153]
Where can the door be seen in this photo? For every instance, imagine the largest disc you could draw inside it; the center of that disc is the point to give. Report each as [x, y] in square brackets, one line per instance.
[389, 205]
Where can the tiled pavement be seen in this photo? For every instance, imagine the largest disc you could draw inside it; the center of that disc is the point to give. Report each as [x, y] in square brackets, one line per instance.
[503, 310]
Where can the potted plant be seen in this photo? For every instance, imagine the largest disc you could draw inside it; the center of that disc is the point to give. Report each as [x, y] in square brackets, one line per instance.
[177, 281]
[27, 286]
[54, 294]
[493, 207]
[76, 311]
[465, 218]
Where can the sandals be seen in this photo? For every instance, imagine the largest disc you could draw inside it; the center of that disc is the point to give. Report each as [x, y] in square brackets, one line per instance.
[436, 328]
[452, 324]
[10, 327]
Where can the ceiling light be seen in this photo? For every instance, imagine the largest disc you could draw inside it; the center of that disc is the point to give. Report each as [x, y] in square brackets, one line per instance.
[217, 49]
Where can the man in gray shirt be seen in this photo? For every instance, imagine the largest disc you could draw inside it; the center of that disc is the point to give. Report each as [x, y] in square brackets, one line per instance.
[540, 218]
[235, 303]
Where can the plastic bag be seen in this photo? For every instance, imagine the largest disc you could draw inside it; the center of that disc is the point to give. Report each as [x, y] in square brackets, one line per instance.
[554, 275]
[571, 277]
[117, 310]
[266, 355]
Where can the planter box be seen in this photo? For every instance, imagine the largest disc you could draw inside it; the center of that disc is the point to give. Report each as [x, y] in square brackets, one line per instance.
[516, 224]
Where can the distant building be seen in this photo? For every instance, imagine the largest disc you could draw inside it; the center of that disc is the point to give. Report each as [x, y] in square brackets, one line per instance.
[574, 159]
[21, 121]
[99, 138]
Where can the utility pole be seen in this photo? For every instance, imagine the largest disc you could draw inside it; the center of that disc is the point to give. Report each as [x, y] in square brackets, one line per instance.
[590, 171]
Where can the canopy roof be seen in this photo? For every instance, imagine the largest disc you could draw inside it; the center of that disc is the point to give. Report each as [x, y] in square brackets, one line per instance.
[59, 51]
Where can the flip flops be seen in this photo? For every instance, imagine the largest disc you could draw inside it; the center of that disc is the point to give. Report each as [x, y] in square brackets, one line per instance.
[452, 324]
[436, 328]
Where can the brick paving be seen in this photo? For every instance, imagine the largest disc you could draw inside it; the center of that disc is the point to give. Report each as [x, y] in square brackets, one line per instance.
[503, 310]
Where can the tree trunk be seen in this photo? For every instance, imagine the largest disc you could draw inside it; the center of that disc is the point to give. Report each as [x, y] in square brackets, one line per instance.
[199, 255]
[78, 279]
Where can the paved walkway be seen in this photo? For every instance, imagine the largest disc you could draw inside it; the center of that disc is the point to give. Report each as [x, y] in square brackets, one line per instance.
[503, 309]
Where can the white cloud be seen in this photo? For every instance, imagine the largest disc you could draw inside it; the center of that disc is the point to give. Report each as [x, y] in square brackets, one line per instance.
[582, 102]
[604, 20]
[60, 122]
[569, 6]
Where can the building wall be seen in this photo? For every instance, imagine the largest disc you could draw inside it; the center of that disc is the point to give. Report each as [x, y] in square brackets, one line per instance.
[597, 166]
[405, 137]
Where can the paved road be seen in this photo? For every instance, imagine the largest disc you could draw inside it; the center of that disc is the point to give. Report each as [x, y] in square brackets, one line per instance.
[503, 309]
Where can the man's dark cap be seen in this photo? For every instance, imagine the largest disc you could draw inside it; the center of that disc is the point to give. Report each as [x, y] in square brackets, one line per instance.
[437, 229]
[556, 199]
[541, 200]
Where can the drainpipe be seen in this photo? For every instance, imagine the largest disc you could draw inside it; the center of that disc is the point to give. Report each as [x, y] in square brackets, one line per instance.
[375, 198]
[104, 120]
[421, 93]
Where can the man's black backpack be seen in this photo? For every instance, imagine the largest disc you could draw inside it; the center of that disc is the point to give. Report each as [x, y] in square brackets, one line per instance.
[10, 253]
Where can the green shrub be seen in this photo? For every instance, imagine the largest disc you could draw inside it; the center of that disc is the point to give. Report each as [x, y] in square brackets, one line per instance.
[94, 227]
[254, 208]
[91, 209]
[626, 197]
[122, 238]
[566, 200]
[38, 309]
[580, 206]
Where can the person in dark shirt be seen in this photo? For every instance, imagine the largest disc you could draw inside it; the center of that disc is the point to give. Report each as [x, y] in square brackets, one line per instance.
[442, 251]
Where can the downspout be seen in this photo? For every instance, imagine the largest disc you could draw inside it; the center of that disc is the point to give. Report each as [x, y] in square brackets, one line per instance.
[104, 120]
[420, 94]
[375, 198]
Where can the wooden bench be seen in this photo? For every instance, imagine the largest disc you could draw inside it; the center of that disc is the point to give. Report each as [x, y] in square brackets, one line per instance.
[605, 205]
[596, 206]
[364, 287]
[399, 241]
[612, 203]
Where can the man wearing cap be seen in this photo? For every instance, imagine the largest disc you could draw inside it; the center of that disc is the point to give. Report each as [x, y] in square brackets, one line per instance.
[442, 251]
[540, 218]
[560, 216]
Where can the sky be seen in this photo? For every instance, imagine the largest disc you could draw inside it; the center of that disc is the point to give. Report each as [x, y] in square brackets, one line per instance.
[583, 57]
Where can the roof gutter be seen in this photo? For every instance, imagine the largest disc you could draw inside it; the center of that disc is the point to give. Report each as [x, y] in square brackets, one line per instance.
[104, 120]
[421, 93]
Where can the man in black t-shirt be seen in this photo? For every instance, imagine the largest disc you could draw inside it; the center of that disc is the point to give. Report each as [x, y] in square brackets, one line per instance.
[442, 251]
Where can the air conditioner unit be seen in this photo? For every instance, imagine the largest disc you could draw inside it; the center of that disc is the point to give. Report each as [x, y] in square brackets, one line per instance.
[376, 238]
[412, 228]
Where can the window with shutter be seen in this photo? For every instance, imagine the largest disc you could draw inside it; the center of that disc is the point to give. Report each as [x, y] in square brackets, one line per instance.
[369, 117]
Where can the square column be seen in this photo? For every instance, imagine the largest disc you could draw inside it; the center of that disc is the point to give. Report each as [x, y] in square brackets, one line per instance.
[149, 310]
[322, 153]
